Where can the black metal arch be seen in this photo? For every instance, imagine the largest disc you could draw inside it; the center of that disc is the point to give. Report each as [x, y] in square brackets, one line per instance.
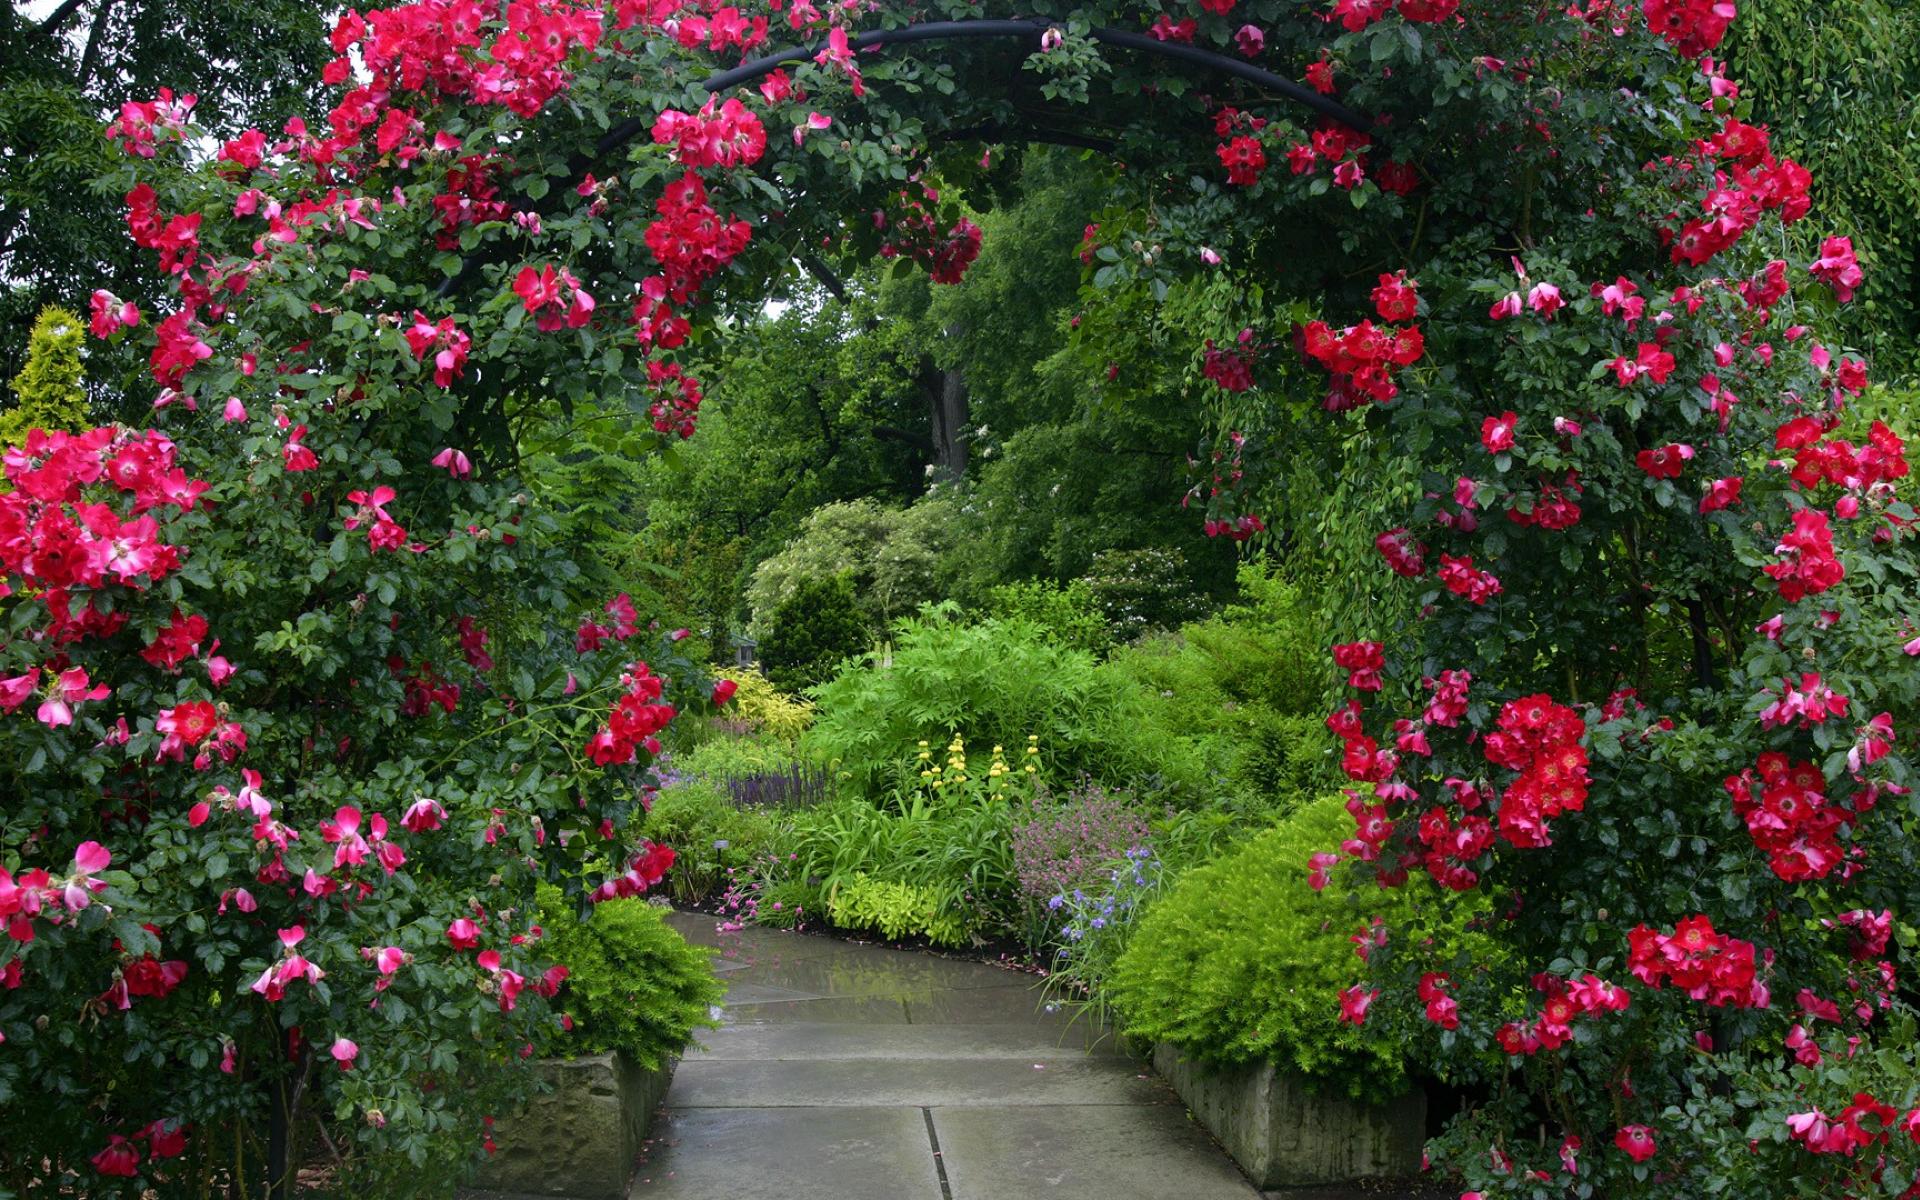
[933, 31]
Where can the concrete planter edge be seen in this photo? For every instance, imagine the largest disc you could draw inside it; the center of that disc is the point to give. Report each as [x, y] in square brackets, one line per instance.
[1284, 1135]
[579, 1140]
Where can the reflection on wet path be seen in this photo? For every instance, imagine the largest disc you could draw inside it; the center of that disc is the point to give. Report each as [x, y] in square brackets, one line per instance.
[854, 1072]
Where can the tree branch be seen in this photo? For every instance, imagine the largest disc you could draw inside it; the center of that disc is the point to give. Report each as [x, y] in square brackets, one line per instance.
[90, 57]
[822, 272]
[57, 18]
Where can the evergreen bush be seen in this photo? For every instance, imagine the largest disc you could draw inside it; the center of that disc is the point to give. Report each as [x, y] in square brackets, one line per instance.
[50, 390]
[1243, 961]
[812, 631]
[636, 986]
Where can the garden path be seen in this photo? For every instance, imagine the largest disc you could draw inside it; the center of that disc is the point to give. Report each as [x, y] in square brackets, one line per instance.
[851, 1072]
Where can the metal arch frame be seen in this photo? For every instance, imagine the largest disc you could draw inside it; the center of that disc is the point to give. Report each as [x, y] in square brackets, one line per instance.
[931, 31]
[934, 31]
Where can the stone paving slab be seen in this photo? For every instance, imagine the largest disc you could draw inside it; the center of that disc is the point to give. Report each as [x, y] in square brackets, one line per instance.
[863, 1010]
[1011, 1003]
[873, 971]
[789, 1154]
[702, 1083]
[837, 1065]
[844, 1041]
[1068, 1152]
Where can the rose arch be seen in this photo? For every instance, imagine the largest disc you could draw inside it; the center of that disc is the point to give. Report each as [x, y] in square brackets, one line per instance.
[294, 733]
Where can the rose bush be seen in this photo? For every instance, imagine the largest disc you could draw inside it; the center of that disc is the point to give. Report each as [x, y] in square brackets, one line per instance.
[293, 739]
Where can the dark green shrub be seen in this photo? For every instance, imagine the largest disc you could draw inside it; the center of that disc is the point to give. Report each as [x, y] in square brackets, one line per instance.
[636, 986]
[1283, 758]
[812, 631]
[1242, 961]
[1143, 590]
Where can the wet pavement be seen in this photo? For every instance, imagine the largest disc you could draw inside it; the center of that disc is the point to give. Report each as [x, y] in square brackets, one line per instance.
[849, 1072]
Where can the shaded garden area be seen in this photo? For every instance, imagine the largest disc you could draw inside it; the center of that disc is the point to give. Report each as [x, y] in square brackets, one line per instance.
[1372, 538]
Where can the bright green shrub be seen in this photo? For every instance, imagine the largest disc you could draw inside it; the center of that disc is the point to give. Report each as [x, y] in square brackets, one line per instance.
[723, 758]
[50, 390]
[812, 631]
[896, 910]
[710, 834]
[1066, 611]
[997, 681]
[1242, 961]
[768, 709]
[636, 985]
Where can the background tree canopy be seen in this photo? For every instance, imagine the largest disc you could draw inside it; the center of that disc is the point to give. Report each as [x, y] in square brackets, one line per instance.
[64, 68]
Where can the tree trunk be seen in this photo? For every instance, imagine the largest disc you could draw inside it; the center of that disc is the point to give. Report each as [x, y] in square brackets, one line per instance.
[946, 393]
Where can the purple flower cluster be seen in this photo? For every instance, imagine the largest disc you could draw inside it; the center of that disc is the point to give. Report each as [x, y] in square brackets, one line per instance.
[1069, 842]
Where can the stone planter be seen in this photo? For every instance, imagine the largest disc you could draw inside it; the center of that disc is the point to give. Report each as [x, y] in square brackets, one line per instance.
[1285, 1136]
[580, 1139]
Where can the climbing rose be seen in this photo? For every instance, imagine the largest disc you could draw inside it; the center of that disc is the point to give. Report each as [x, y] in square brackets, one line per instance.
[1693, 27]
[1364, 661]
[1354, 1003]
[1395, 298]
[1664, 462]
[120, 1158]
[1838, 268]
[344, 1052]
[1496, 433]
[1720, 494]
[1244, 158]
[1636, 1140]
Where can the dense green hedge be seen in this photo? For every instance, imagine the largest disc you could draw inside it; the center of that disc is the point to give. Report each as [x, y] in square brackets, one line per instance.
[636, 986]
[1837, 82]
[1242, 961]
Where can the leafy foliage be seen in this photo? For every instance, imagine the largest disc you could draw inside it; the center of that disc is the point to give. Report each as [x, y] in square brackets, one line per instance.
[1244, 689]
[1066, 611]
[57, 236]
[1139, 591]
[811, 632]
[890, 558]
[1835, 83]
[996, 682]
[50, 390]
[635, 985]
[1237, 960]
